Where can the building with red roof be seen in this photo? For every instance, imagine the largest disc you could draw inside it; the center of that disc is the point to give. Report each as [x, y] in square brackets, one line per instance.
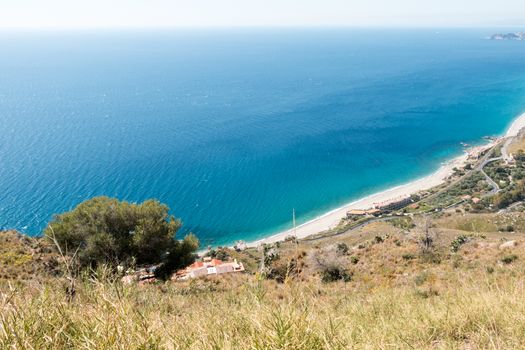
[208, 267]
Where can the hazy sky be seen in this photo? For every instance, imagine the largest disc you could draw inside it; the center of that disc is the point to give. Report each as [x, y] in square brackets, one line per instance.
[204, 13]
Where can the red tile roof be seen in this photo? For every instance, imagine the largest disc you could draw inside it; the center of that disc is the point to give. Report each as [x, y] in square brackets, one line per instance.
[216, 262]
[196, 265]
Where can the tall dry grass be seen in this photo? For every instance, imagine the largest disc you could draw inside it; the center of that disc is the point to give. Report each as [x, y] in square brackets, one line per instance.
[486, 311]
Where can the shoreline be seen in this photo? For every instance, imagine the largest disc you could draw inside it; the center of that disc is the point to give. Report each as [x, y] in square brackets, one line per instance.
[332, 218]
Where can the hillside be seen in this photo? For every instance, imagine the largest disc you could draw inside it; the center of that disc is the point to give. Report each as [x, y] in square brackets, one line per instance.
[444, 273]
[25, 258]
[451, 295]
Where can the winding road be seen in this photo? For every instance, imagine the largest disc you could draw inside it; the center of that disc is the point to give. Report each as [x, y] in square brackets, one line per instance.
[504, 156]
[495, 186]
[483, 162]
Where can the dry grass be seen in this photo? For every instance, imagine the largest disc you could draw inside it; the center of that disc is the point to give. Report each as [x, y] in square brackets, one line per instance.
[517, 144]
[485, 222]
[246, 313]
[396, 300]
[23, 258]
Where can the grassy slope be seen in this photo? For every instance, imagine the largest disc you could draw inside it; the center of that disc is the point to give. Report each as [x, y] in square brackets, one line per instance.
[23, 258]
[517, 144]
[482, 312]
[398, 298]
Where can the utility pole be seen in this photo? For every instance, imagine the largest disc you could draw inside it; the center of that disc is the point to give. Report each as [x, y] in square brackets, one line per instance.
[296, 244]
[294, 229]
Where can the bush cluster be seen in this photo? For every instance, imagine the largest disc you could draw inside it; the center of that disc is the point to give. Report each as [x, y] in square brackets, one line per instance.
[335, 273]
[509, 259]
[458, 242]
[107, 231]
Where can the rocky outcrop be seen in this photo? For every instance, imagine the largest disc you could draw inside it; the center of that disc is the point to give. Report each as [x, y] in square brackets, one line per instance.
[507, 245]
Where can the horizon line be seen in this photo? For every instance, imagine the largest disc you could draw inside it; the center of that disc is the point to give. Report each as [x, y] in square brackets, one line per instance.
[306, 26]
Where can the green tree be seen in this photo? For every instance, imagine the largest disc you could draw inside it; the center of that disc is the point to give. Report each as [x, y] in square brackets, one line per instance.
[105, 230]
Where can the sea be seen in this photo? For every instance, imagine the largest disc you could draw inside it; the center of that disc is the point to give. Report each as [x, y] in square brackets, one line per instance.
[233, 129]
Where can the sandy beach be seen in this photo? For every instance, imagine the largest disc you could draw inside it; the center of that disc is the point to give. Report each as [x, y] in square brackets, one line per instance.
[332, 218]
[516, 126]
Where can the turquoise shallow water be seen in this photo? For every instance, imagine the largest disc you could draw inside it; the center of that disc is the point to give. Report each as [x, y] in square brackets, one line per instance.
[233, 129]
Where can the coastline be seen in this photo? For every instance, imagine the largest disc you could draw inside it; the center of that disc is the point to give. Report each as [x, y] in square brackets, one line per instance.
[332, 218]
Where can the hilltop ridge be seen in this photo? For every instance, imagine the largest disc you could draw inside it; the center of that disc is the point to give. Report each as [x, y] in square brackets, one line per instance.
[509, 36]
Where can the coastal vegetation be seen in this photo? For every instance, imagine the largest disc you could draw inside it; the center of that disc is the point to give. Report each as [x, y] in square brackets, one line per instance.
[106, 231]
[356, 291]
[24, 258]
[444, 272]
[472, 184]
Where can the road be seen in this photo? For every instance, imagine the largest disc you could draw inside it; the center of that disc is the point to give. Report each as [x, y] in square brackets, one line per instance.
[492, 183]
[483, 162]
[351, 229]
[510, 207]
[504, 156]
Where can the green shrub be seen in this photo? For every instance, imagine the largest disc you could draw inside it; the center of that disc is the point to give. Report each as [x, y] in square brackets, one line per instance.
[335, 273]
[280, 270]
[219, 253]
[354, 260]
[105, 230]
[458, 242]
[342, 248]
[270, 254]
[509, 259]
[405, 223]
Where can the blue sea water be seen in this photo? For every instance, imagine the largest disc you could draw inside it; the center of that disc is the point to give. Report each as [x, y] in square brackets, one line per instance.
[234, 128]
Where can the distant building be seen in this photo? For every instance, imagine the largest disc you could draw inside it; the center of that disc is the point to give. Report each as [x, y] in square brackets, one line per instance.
[475, 153]
[361, 212]
[208, 267]
[393, 204]
[356, 212]
[373, 212]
